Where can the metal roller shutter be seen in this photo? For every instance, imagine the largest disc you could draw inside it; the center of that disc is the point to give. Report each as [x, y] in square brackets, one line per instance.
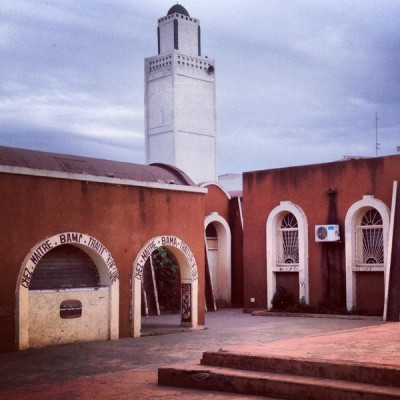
[65, 267]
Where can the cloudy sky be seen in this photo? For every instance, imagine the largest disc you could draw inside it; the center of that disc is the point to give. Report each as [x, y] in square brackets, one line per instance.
[298, 82]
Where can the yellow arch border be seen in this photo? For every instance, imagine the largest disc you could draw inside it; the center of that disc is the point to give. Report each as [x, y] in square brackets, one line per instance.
[189, 278]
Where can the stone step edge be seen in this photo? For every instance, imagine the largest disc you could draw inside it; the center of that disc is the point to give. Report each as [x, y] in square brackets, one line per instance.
[282, 386]
[266, 313]
[368, 373]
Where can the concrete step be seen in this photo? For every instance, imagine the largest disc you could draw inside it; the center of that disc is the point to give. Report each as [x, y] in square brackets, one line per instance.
[369, 373]
[269, 384]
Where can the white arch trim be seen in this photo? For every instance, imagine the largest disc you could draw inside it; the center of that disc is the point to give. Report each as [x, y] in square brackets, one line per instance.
[272, 221]
[210, 183]
[352, 217]
[224, 254]
[189, 276]
[103, 260]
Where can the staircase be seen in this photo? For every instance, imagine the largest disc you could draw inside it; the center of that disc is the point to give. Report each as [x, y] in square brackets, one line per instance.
[286, 377]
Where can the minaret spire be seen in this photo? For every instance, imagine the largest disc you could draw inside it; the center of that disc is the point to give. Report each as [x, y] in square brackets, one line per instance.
[180, 99]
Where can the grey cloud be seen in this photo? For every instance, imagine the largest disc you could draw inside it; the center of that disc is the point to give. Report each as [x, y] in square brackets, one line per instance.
[297, 82]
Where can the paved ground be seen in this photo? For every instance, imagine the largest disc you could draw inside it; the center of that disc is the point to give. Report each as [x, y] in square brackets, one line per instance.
[127, 368]
[378, 345]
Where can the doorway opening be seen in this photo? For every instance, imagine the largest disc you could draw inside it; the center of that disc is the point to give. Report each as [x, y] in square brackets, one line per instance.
[161, 292]
[164, 287]
[218, 285]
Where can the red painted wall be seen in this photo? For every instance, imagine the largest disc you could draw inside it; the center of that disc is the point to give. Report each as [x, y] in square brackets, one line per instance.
[217, 201]
[123, 218]
[307, 186]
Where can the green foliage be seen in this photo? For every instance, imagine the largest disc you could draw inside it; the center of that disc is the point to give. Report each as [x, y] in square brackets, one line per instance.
[166, 270]
[282, 300]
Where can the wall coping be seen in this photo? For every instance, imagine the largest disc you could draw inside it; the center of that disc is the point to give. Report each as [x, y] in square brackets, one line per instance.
[99, 179]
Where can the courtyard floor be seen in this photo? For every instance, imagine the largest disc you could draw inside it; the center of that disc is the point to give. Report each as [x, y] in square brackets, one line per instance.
[127, 368]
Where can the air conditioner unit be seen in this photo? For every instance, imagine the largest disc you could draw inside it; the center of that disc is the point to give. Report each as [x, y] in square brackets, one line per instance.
[327, 233]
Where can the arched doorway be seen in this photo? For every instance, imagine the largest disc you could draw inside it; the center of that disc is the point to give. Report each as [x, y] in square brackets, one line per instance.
[218, 258]
[67, 291]
[161, 286]
[287, 250]
[188, 278]
[367, 239]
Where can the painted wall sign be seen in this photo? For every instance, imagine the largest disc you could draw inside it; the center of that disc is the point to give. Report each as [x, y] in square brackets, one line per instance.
[166, 241]
[67, 238]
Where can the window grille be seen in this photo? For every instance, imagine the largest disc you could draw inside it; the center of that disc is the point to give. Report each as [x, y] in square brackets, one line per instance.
[287, 240]
[369, 240]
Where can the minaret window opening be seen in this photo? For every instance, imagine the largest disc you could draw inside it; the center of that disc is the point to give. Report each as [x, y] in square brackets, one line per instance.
[176, 42]
[158, 40]
[199, 41]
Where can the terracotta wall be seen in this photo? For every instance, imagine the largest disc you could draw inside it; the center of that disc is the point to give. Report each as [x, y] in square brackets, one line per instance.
[309, 188]
[123, 218]
[217, 201]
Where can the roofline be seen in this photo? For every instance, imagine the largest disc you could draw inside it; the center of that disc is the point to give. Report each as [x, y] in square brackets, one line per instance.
[98, 179]
[176, 171]
[209, 183]
[318, 165]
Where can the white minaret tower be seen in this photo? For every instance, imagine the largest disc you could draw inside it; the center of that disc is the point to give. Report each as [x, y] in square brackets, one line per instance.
[180, 99]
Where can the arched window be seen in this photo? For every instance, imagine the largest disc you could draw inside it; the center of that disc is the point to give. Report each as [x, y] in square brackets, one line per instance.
[369, 239]
[287, 241]
[287, 248]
